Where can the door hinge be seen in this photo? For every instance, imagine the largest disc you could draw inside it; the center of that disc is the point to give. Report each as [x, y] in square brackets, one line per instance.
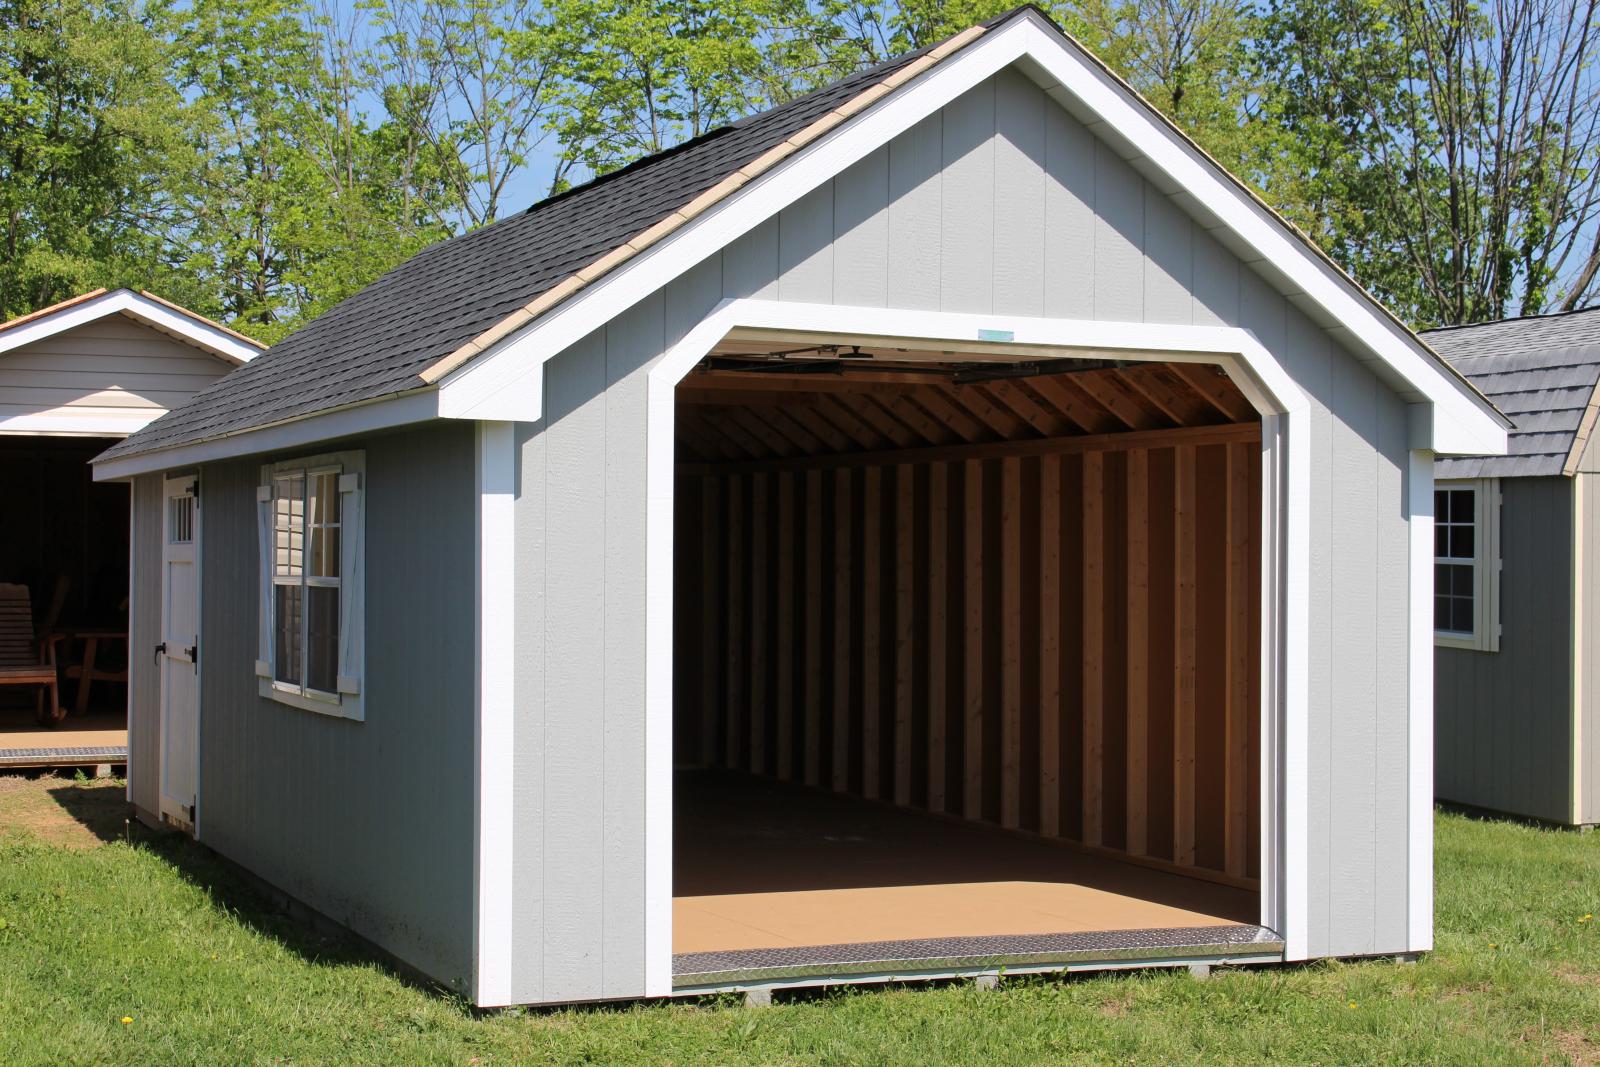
[194, 655]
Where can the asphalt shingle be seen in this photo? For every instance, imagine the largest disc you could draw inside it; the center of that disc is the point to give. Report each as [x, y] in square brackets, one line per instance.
[1541, 371]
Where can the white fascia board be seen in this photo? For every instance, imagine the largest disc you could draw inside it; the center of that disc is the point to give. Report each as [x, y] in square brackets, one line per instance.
[150, 312]
[504, 379]
[315, 429]
[1419, 709]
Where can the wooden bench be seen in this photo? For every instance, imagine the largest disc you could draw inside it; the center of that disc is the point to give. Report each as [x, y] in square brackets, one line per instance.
[24, 658]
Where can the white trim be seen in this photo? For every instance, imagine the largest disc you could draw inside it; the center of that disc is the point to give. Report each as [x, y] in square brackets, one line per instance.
[1576, 652]
[81, 422]
[495, 638]
[1286, 434]
[312, 430]
[197, 331]
[1419, 709]
[504, 378]
[167, 805]
[1486, 564]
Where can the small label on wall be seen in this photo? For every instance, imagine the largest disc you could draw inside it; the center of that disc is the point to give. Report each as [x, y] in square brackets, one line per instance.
[996, 335]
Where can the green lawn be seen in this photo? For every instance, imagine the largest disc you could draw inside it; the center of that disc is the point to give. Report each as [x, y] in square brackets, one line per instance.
[151, 953]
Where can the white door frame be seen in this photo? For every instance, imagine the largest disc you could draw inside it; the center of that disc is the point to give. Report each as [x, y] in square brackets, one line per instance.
[180, 810]
[1285, 555]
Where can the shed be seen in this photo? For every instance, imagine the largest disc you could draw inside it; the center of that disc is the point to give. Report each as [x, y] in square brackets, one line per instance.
[75, 378]
[1518, 585]
[942, 524]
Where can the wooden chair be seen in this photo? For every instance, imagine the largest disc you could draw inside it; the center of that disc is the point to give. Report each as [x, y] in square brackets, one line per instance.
[24, 658]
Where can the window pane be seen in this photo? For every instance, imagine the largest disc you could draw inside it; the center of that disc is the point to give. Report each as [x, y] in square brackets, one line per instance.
[1441, 612]
[288, 517]
[1461, 614]
[1460, 579]
[325, 497]
[1461, 507]
[1461, 542]
[287, 600]
[1441, 539]
[325, 551]
[1441, 506]
[322, 638]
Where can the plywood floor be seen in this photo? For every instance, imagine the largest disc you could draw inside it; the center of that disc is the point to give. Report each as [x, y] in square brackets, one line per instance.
[760, 864]
[97, 730]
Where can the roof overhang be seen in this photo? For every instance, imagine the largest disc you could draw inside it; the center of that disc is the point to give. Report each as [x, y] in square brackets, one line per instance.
[504, 382]
[151, 311]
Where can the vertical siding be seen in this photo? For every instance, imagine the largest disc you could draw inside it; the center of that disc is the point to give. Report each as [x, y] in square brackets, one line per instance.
[369, 822]
[956, 234]
[144, 632]
[1503, 719]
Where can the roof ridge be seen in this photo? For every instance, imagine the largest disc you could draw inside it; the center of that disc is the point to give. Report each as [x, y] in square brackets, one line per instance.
[1508, 319]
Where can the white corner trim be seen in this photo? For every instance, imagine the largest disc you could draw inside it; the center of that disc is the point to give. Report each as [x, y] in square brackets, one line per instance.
[1419, 708]
[1286, 433]
[153, 313]
[315, 429]
[500, 379]
[495, 640]
[1579, 808]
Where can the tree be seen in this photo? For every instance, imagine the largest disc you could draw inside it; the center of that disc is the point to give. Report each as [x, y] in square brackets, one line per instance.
[1445, 152]
[87, 120]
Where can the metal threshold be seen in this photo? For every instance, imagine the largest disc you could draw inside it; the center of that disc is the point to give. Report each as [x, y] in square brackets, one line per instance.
[705, 972]
[63, 757]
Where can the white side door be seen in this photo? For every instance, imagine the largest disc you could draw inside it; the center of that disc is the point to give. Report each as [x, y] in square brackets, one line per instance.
[176, 655]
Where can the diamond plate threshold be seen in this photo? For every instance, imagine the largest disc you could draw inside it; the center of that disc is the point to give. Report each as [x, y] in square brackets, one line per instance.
[940, 956]
[63, 757]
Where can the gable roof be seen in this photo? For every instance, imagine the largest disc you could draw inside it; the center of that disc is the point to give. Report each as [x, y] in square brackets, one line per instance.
[457, 305]
[146, 308]
[1542, 371]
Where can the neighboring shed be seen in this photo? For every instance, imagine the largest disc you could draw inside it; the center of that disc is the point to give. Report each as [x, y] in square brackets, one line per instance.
[76, 378]
[942, 524]
[1518, 592]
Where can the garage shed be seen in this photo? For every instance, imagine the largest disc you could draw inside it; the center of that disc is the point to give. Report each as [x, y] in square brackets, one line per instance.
[939, 525]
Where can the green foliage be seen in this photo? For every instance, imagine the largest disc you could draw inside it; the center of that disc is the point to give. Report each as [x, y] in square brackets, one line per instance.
[87, 121]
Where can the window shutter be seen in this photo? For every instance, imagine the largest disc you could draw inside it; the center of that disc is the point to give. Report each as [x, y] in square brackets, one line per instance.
[352, 585]
[264, 579]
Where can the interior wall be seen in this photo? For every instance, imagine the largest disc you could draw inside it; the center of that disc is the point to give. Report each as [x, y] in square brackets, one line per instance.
[1066, 644]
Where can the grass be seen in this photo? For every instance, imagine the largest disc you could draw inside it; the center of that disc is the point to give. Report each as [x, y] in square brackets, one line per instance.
[133, 953]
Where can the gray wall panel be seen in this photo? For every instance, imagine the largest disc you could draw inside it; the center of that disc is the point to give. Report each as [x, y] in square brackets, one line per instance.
[1503, 719]
[956, 215]
[369, 822]
[144, 632]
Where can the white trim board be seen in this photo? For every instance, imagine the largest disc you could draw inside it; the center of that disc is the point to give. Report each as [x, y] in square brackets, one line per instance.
[154, 313]
[504, 382]
[1286, 505]
[1419, 719]
[494, 631]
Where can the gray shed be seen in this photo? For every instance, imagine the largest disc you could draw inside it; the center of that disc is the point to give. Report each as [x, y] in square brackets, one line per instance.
[1518, 593]
[944, 523]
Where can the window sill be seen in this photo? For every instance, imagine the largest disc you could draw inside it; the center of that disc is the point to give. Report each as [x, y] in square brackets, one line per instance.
[348, 707]
[1468, 642]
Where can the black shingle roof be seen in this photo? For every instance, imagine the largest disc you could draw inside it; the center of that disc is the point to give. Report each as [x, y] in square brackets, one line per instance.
[1540, 371]
[376, 343]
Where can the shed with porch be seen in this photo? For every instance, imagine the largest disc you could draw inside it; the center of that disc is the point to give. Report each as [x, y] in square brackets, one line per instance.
[942, 524]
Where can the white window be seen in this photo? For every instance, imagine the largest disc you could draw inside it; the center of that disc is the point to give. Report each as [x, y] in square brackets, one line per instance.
[1466, 564]
[311, 619]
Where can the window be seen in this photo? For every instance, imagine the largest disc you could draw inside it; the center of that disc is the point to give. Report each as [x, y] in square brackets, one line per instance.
[1466, 564]
[311, 547]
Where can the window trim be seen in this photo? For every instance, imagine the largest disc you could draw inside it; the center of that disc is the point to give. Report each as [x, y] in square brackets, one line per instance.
[347, 702]
[1485, 568]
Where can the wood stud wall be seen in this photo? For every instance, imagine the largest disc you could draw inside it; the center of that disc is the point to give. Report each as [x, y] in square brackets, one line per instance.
[1062, 643]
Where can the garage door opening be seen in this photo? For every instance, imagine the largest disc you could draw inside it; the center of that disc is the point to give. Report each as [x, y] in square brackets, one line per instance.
[966, 664]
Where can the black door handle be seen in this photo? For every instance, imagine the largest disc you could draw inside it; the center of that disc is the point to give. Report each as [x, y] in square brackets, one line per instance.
[162, 647]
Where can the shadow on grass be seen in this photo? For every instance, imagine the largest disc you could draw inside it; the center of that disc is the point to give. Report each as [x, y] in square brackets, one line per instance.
[315, 938]
[99, 807]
